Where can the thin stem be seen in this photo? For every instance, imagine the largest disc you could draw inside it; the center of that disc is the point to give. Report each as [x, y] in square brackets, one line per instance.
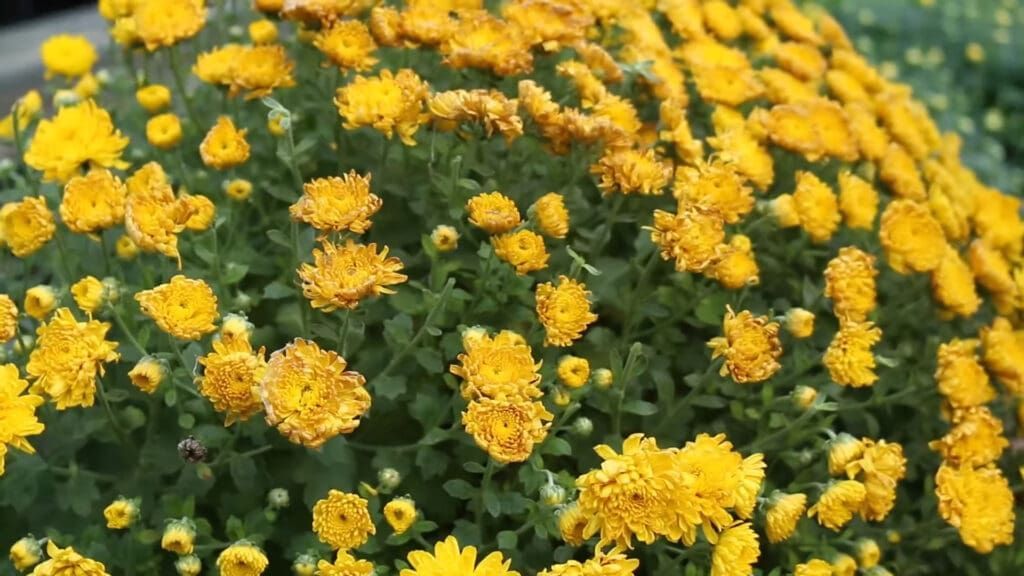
[105, 247]
[765, 441]
[428, 322]
[181, 357]
[485, 486]
[71, 473]
[216, 261]
[418, 538]
[124, 328]
[65, 262]
[627, 375]
[101, 392]
[243, 455]
[179, 83]
[18, 150]
[637, 295]
[343, 335]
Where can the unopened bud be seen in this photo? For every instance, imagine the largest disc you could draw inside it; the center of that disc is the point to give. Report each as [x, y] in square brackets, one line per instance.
[389, 478]
[191, 450]
[804, 396]
[304, 565]
[582, 426]
[603, 378]
[552, 494]
[277, 498]
[189, 565]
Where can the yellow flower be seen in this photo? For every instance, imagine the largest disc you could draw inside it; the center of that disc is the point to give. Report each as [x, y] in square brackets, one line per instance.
[230, 378]
[342, 520]
[499, 367]
[67, 562]
[734, 266]
[189, 565]
[449, 558]
[974, 52]
[632, 171]
[242, 559]
[400, 514]
[959, 375]
[850, 284]
[260, 69]
[506, 430]
[868, 553]
[800, 322]
[564, 310]
[337, 204]
[342, 276]
[348, 44]
[185, 308]
[736, 551]
[838, 504]
[17, 413]
[224, 145]
[953, 285]
[27, 225]
[480, 40]
[218, 66]
[750, 346]
[913, 240]
[571, 523]
[309, 396]
[40, 300]
[27, 107]
[842, 451]
[489, 108]
[67, 55]
[126, 248]
[388, 102]
[573, 371]
[179, 536]
[87, 87]
[524, 250]
[552, 216]
[68, 357]
[899, 171]
[153, 216]
[720, 478]
[997, 220]
[783, 513]
[817, 207]
[691, 237]
[90, 294]
[871, 138]
[238, 189]
[717, 186]
[385, 25]
[235, 327]
[93, 202]
[263, 31]
[976, 439]
[163, 131]
[858, 201]
[164, 23]
[76, 135]
[814, 567]
[268, 6]
[849, 356]
[843, 565]
[612, 563]
[8, 319]
[445, 238]
[978, 502]
[147, 374]
[153, 97]
[121, 514]
[880, 468]
[344, 565]
[804, 396]
[493, 212]
[25, 553]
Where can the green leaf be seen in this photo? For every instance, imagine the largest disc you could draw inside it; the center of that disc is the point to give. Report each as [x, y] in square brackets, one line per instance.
[431, 462]
[280, 238]
[458, 488]
[492, 503]
[711, 309]
[556, 446]
[234, 528]
[186, 421]
[640, 408]
[277, 290]
[243, 473]
[507, 540]
[117, 395]
[430, 360]
[390, 387]
[705, 401]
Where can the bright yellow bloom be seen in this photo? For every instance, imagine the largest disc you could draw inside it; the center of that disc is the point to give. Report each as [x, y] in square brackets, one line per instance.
[449, 558]
[90, 294]
[348, 44]
[224, 145]
[263, 31]
[27, 225]
[815, 567]
[843, 565]
[163, 131]
[337, 204]
[164, 23]
[524, 250]
[493, 212]
[480, 40]
[721, 479]
[242, 559]
[573, 371]
[898, 170]
[68, 358]
[953, 285]
[309, 396]
[843, 450]
[880, 467]
[489, 108]
[23, 112]
[218, 66]
[564, 310]
[121, 514]
[997, 220]
[858, 201]
[736, 551]
[40, 300]
[76, 135]
[260, 69]
[93, 202]
[18, 418]
[499, 367]
[25, 553]
[871, 138]
[147, 374]
[734, 265]
[8, 319]
[717, 186]
[506, 430]
[838, 504]
[268, 6]
[344, 565]
[976, 439]
[400, 514]
[385, 25]
[153, 98]
[185, 308]
[238, 189]
[67, 562]
[868, 553]
[230, 378]
[959, 375]
[551, 214]
[342, 520]
[611, 563]
[849, 356]
[153, 216]
[978, 502]
[551, 24]
[750, 346]
[913, 240]
[816, 206]
[235, 327]
[850, 284]
[126, 248]
[691, 237]
[342, 276]
[179, 536]
[67, 55]
[991, 268]
[784, 512]
[571, 523]
[800, 322]
[388, 102]
[445, 238]
[632, 171]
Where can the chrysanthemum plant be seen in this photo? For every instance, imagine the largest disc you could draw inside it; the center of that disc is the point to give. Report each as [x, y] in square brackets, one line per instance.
[551, 286]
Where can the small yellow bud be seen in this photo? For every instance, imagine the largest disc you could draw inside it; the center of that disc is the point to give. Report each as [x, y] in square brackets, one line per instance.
[26, 553]
[263, 32]
[573, 371]
[126, 248]
[445, 238]
[804, 396]
[868, 553]
[121, 513]
[179, 536]
[400, 514]
[189, 565]
[603, 378]
[40, 301]
[800, 322]
[561, 397]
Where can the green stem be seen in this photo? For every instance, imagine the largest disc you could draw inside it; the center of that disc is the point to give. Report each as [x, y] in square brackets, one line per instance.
[33, 182]
[71, 473]
[485, 486]
[124, 328]
[221, 287]
[427, 323]
[105, 247]
[620, 391]
[179, 83]
[181, 356]
[243, 455]
[765, 441]
[610, 221]
[418, 538]
[637, 295]
[343, 335]
[101, 392]
[65, 262]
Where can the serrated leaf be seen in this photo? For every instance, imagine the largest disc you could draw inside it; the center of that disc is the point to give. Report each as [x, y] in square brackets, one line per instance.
[390, 387]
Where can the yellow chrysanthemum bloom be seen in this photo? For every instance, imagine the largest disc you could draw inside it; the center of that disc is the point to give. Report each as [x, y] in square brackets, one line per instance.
[717, 186]
[959, 375]
[230, 378]
[163, 131]
[483, 41]
[93, 202]
[976, 438]
[261, 69]
[953, 285]
[164, 23]
[344, 565]
[880, 468]
[573, 371]
[310, 396]
[899, 171]
[179, 536]
[506, 430]
[25, 553]
[217, 66]
[342, 276]
[235, 327]
[18, 418]
[153, 97]
[858, 201]
[148, 373]
[121, 513]
[337, 204]
[837, 505]
[493, 212]
[564, 310]
[632, 171]
[571, 523]
[815, 567]
[499, 367]
[979, 503]
[491, 109]
[153, 217]
[817, 207]
[201, 211]
[736, 551]
[691, 237]
[551, 214]
[850, 283]
[224, 145]
[913, 240]
[348, 44]
[23, 111]
[185, 308]
[844, 565]
[849, 357]
[721, 478]
[449, 558]
[342, 520]
[67, 562]
[783, 513]
[8, 319]
[388, 102]
[27, 225]
[263, 31]
[238, 189]
[67, 55]
[750, 346]
[242, 559]
[800, 322]
[612, 563]
[445, 238]
[68, 357]
[524, 250]
[400, 514]
[734, 265]
[77, 134]
[40, 300]
[843, 450]
[90, 294]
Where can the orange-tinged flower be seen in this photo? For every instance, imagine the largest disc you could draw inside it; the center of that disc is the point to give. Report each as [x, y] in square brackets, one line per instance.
[77, 134]
[230, 378]
[348, 45]
[499, 367]
[164, 23]
[93, 202]
[1004, 354]
[717, 186]
[225, 145]
[337, 204]
[26, 226]
[507, 430]
[217, 66]
[976, 438]
[802, 60]
[388, 102]
[691, 237]
[524, 250]
[8, 319]
[342, 520]
[68, 358]
[564, 311]
[899, 171]
[960, 377]
[551, 214]
[749, 345]
[185, 308]
[858, 201]
[493, 212]
[850, 283]
[261, 69]
[913, 240]
[953, 285]
[480, 40]
[342, 276]
[849, 356]
[978, 502]
[734, 265]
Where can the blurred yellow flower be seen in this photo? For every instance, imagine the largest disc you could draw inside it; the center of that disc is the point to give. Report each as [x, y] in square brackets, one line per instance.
[230, 378]
[225, 145]
[67, 55]
[26, 226]
[342, 520]
[77, 134]
[163, 131]
[750, 346]
[524, 250]
[164, 23]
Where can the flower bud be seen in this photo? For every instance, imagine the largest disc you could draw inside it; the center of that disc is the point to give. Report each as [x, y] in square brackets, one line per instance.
[603, 378]
[804, 396]
[64, 97]
[868, 553]
[800, 322]
[552, 494]
[389, 478]
[243, 301]
[26, 553]
[400, 514]
[189, 565]
[121, 513]
[445, 238]
[843, 565]
[304, 565]
[893, 536]
[179, 536]
[238, 189]
[111, 289]
[561, 397]
[472, 334]
[148, 373]
[842, 450]
[262, 32]
[235, 327]
[23, 343]
[235, 32]
[126, 248]
[573, 371]
[191, 450]
[582, 426]
[278, 498]
[40, 301]
[103, 76]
